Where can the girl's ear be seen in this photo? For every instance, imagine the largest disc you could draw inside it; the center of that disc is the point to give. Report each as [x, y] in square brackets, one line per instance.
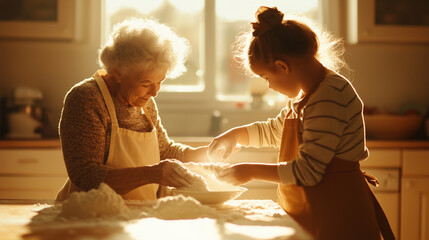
[282, 65]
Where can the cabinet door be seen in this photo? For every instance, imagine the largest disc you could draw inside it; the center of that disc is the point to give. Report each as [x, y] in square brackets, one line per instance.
[30, 187]
[416, 163]
[32, 162]
[415, 208]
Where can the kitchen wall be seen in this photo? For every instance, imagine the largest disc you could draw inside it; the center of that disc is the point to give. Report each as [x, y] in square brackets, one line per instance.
[53, 66]
[385, 75]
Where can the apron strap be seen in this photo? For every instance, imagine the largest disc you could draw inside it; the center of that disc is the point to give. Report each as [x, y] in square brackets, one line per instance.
[107, 98]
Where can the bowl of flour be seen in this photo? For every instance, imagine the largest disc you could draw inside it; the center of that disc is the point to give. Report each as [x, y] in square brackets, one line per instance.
[206, 187]
[211, 197]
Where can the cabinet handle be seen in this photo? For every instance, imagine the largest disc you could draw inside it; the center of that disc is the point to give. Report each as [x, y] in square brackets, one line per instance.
[28, 160]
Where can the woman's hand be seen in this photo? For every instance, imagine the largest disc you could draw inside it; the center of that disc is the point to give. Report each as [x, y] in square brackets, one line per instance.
[171, 172]
[237, 174]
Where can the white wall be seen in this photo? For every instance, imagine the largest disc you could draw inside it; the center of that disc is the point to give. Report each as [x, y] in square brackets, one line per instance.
[390, 75]
[385, 75]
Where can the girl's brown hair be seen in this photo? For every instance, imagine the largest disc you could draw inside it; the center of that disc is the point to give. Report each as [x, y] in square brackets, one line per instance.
[273, 38]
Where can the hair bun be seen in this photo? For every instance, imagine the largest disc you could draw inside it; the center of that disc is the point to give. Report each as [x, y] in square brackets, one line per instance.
[267, 19]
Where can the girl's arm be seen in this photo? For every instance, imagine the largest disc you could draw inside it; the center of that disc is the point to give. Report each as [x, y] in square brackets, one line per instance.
[258, 134]
[241, 173]
[223, 145]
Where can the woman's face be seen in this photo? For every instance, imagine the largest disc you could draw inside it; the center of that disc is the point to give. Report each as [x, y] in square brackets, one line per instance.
[279, 77]
[136, 87]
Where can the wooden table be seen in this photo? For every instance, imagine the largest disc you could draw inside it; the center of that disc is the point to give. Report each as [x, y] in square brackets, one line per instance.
[20, 219]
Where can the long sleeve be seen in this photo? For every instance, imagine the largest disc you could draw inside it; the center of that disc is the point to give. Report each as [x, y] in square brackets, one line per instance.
[268, 133]
[83, 137]
[331, 127]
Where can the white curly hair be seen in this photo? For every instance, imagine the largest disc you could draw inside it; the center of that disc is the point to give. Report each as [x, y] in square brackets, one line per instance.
[146, 43]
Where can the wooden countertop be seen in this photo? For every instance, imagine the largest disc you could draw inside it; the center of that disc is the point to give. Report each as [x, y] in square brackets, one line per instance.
[32, 219]
[199, 141]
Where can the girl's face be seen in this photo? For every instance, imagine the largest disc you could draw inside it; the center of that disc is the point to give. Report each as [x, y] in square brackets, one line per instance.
[137, 87]
[279, 77]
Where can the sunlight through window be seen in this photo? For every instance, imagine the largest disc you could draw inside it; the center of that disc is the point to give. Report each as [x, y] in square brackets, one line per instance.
[228, 18]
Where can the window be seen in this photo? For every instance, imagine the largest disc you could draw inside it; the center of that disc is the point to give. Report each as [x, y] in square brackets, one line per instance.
[211, 26]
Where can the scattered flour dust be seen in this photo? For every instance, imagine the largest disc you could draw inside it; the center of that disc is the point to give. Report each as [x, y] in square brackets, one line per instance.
[104, 207]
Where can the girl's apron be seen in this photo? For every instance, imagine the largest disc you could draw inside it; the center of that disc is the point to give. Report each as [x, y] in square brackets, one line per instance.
[127, 149]
[341, 206]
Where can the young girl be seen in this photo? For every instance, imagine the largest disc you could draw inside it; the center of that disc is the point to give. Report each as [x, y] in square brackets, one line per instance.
[320, 133]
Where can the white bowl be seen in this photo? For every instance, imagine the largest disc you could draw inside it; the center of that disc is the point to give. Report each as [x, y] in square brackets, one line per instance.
[393, 127]
[212, 198]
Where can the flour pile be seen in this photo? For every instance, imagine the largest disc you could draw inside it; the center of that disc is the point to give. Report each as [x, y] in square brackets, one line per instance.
[180, 207]
[103, 202]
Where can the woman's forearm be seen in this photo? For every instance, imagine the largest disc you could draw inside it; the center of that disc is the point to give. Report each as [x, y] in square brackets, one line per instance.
[126, 179]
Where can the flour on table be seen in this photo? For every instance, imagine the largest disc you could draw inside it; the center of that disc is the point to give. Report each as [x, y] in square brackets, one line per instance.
[180, 207]
[103, 202]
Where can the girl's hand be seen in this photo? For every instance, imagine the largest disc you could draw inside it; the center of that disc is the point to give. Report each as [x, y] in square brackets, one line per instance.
[237, 174]
[222, 147]
[198, 154]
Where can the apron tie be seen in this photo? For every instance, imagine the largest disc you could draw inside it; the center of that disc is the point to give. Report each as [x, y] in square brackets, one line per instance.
[370, 179]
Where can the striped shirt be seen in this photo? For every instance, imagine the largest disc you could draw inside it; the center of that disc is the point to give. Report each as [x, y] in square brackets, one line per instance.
[332, 126]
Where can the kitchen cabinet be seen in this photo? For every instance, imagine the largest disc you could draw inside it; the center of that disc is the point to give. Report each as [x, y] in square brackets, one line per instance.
[31, 173]
[415, 195]
[387, 21]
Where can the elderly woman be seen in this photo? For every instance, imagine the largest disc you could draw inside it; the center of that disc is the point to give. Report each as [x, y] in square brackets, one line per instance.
[110, 129]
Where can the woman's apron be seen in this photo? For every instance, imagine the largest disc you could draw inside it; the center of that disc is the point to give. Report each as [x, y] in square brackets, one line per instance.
[127, 149]
[341, 206]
